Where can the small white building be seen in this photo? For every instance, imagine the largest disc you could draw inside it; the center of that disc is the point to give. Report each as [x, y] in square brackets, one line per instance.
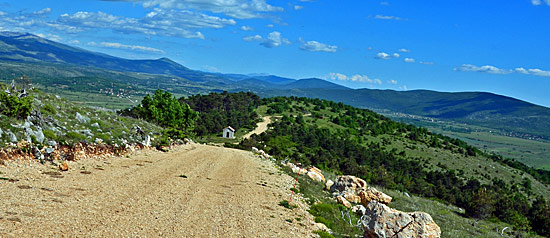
[228, 132]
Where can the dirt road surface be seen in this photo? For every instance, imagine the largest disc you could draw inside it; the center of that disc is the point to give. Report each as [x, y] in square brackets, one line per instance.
[261, 127]
[193, 191]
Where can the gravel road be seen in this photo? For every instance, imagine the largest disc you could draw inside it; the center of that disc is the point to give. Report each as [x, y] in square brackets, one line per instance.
[193, 191]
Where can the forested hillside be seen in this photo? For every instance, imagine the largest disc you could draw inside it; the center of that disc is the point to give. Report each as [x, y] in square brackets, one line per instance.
[347, 140]
[219, 110]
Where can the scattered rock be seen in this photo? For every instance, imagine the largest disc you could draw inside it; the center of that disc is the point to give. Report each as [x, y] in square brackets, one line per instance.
[255, 150]
[373, 194]
[86, 132]
[383, 221]
[352, 197]
[39, 135]
[95, 124]
[52, 143]
[64, 166]
[49, 150]
[12, 137]
[359, 210]
[98, 140]
[343, 201]
[321, 227]
[329, 184]
[82, 119]
[27, 124]
[1, 132]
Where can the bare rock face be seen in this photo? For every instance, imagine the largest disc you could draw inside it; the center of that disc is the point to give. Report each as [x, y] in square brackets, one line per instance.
[383, 221]
[349, 184]
[372, 194]
[343, 201]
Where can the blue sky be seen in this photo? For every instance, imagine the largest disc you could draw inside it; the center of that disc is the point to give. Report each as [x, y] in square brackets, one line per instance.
[492, 46]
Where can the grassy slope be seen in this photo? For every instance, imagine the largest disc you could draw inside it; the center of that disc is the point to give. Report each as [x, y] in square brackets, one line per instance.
[533, 152]
[473, 166]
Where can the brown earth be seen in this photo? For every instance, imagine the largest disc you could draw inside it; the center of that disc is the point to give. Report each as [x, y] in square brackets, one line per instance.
[193, 191]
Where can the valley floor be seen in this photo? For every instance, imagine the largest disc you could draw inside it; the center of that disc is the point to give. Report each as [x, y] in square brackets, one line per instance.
[193, 191]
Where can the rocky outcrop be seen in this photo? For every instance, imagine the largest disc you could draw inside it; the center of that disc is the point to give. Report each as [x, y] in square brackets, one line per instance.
[329, 184]
[348, 184]
[383, 221]
[372, 194]
[315, 174]
[343, 201]
[359, 210]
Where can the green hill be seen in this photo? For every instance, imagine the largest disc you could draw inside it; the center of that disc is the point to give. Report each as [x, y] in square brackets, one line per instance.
[345, 140]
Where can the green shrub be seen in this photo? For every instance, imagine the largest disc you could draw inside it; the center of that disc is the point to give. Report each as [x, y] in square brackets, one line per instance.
[12, 106]
[48, 109]
[49, 134]
[286, 204]
[165, 110]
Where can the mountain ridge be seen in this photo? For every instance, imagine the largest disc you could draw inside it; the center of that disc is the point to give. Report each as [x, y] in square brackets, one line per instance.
[476, 108]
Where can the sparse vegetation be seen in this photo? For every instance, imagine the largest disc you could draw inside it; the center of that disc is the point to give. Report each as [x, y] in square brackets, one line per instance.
[286, 204]
[366, 147]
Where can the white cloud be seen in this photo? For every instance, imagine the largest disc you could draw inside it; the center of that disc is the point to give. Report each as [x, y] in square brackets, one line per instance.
[157, 22]
[337, 76]
[395, 55]
[409, 60]
[540, 2]
[315, 46]
[42, 12]
[382, 17]
[403, 50]
[210, 68]
[392, 81]
[240, 9]
[253, 38]
[274, 39]
[297, 7]
[270, 25]
[74, 42]
[354, 78]
[483, 69]
[116, 45]
[92, 43]
[247, 28]
[50, 37]
[427, 63]
[383, 55]
[539, 72]
[494, 70]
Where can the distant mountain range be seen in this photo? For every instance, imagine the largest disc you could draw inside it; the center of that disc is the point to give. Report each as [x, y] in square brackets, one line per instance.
[22, 52]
